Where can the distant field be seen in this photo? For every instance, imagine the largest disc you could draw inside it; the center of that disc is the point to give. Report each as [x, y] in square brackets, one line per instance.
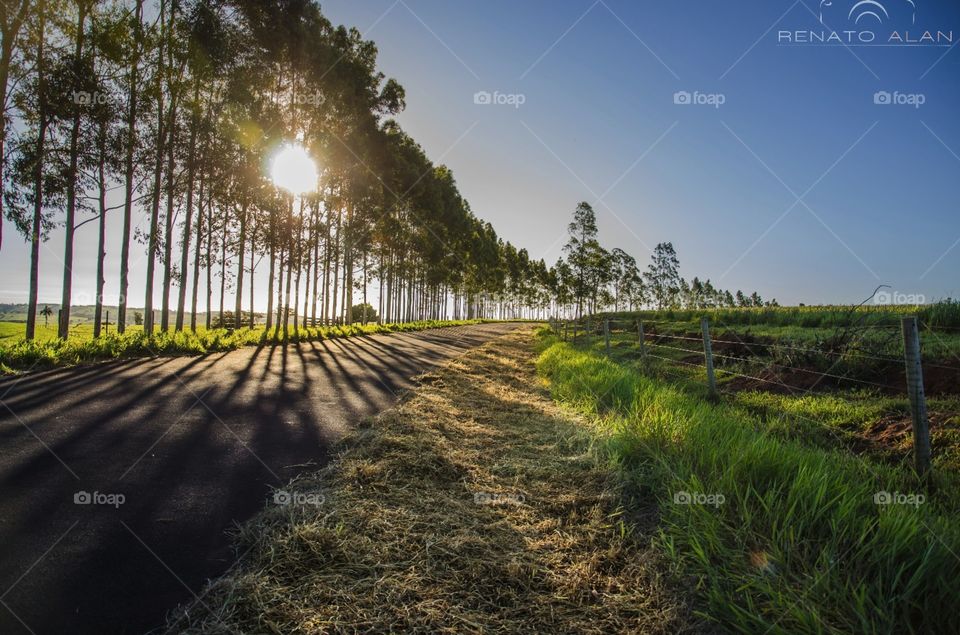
[11, 331]
[945, 314]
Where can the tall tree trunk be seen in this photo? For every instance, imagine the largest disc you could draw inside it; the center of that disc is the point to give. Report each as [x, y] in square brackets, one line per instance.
[209, 260]
[299, 265]
[132, 96]
[348, 267]
[223, 272]
[168, 228]
[196, 257]
[63, 329]
[241, 246]
[325, 305]
[188, 220]
[364, 317]
[272, 239]
[171, 149]
[315, 233]
[283, 264]
[101, 225]
[148, 321]
[37, 225]
[336, 272]
[290, 259]
[253, 267]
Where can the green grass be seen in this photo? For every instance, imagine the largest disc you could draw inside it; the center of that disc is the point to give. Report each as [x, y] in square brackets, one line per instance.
[798, 545]
[17, 354]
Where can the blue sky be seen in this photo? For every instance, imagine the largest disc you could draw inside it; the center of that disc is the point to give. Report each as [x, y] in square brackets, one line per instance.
[877, 183]
[598, 81]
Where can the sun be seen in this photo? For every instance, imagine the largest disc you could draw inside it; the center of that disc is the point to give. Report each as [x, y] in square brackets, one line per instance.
[292, 169]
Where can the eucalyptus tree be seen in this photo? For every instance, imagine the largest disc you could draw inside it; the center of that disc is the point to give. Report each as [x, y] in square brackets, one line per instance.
[35, 188]
[129, 55]
[663, 275]
[76, 79]
[13, 17]
[583, 253]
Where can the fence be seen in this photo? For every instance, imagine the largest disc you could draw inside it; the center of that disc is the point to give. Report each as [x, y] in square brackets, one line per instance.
[657, 339]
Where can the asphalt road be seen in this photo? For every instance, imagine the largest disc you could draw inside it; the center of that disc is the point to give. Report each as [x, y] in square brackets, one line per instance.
[192, 445]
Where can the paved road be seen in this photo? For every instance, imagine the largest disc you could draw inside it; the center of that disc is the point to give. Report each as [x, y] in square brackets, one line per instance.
[193, 445]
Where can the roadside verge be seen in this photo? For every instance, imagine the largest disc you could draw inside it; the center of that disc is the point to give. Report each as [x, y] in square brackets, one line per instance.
[475, 505]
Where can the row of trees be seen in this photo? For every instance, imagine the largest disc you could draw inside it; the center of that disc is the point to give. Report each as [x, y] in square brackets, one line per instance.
[593, 279]
[173, 108]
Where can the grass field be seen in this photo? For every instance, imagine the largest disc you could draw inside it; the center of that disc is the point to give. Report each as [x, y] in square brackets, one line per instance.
[789, 535]
[18, 355]
[13, 331]
[943, 314]
[804, 382]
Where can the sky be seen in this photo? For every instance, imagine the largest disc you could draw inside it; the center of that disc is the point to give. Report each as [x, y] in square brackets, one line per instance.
[811, 172]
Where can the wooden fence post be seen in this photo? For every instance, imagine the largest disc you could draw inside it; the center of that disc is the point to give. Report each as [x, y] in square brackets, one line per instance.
[606, 335]
[708, 357]
[643, 341]
[918, 401]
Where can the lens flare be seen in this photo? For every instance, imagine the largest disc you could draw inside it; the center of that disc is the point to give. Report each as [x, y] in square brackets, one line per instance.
[293, 170]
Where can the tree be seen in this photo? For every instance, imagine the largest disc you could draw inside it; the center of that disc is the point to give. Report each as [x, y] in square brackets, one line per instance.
[13, 16]
[581, 250]
[663, 275]
[363, 313]
[46, 312]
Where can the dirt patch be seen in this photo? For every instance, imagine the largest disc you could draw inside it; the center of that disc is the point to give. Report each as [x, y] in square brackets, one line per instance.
[895, 431]
[474, 506]
[938, 379]
[784, 381]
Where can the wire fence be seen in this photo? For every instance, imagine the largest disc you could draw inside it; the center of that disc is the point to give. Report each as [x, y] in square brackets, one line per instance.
[843, 362]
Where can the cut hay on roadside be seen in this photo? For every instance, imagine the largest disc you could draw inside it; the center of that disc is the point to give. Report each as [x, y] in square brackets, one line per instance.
[475, 505]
